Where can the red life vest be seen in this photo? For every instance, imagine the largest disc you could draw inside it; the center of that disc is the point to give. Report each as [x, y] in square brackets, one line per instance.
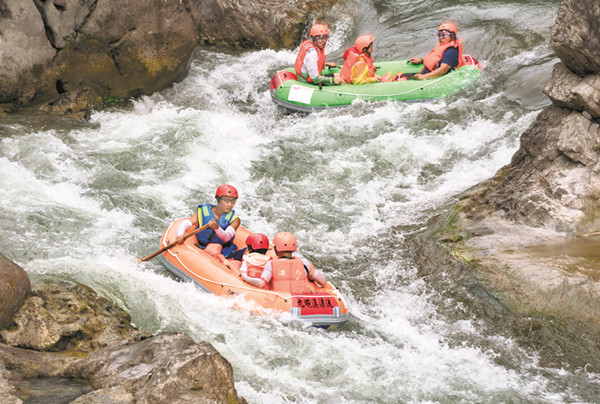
[289, 275]
[305, 47]
[351, 49]
[435, 56]
[353, 58]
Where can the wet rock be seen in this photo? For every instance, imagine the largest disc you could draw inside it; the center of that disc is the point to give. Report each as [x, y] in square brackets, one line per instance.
[575, 36]
[158, 369]
[546, 199]
[65, 340]
[68, 317]
[14, 289]
[568, 90]
[7, 390]
[53, 49]
[27, 363]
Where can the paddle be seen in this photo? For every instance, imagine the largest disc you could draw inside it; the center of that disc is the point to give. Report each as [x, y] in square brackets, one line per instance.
[154, 254]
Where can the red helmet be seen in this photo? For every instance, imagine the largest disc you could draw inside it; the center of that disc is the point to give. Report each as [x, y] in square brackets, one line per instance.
[257, 241]
[319, 29]
[363, 42]
[285, 241]
[448, 26]
[226, 190]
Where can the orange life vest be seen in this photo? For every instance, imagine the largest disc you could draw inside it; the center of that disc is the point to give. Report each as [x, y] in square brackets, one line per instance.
[435, 56]
[351, 49]
[351, 59]
[305, 47]
[289, 275]
[255, 263]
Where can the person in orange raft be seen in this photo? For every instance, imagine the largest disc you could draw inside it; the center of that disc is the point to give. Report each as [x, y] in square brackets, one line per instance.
[254, 261]
[358, 65]
[311, 58]
[217, 240]
[445, 57]
[286, 272]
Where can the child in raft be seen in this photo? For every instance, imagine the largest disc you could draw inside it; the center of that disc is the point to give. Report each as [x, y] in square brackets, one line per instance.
[254, 261]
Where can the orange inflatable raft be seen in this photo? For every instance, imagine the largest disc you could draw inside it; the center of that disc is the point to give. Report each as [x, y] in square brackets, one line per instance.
[319, 306]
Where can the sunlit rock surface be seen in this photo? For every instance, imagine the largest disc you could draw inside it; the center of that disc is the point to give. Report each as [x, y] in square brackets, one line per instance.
[531, 233]
[71, 54]
[65, 333]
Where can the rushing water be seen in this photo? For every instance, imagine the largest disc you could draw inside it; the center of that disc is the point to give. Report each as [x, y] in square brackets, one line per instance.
[83, 200]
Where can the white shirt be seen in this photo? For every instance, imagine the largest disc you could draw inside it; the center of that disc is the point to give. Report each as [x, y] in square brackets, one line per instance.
[310, 65]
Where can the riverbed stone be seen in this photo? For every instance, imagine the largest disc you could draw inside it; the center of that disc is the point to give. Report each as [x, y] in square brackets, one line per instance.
[158, 369]
[15, 287]
[68, 317]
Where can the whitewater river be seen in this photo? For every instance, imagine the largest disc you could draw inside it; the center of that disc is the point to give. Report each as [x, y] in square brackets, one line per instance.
[82, 200]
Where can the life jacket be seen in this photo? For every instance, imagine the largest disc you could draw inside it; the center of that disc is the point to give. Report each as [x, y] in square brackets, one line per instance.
[435, 56]
[205, 214]
[289, 275]
[305, 47]
[351, 49]
[351, 60]
[255, 263]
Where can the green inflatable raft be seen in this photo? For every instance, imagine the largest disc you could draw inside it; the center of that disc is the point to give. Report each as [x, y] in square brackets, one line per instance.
[299, 96]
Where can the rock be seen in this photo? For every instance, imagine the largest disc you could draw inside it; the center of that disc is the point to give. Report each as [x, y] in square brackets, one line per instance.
[68, 317]
[528, 231]
[52, 50]
[575, 37]
[568, 90]
[25, 52]
[93, 342]
[7, 390]
[31, 364]
[157, 370]
[255, 24]
[14, 289]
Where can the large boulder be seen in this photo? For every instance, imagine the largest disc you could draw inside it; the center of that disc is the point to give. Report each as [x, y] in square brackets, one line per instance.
[553, 180]
[14, 289]
[158, 370]
[575, 36]
[65, 331]
[72, 54]
[68, 316]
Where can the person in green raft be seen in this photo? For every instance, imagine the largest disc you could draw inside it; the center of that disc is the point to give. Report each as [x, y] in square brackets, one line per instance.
[445, 57]
[311, 58]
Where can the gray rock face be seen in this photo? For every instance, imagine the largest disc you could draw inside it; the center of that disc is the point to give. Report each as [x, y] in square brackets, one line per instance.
[575, 36]
[553, 180]
[14, 289]
[100, 49]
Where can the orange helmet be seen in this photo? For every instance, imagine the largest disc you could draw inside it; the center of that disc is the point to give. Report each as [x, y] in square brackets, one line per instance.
[363, 41]
[226, 190]
[257, 241]
[448, 26]
[285, 241]
[319, 29]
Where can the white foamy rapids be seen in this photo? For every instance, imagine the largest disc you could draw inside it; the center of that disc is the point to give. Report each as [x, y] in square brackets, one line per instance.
[84, 204]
